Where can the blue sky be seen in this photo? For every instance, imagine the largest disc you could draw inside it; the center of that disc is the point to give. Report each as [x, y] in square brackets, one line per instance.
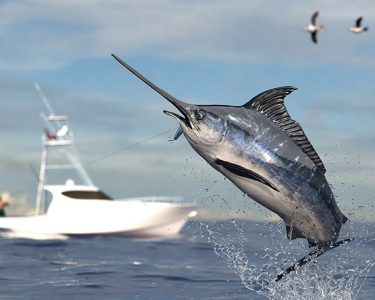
[206, 52]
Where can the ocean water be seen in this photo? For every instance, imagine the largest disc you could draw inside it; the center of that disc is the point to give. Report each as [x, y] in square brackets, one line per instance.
[209, 260]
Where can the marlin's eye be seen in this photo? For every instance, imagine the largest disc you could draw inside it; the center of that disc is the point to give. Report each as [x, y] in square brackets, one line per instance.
[199, 114]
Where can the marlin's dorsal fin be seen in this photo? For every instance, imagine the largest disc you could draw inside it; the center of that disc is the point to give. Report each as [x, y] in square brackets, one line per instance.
[271, 104]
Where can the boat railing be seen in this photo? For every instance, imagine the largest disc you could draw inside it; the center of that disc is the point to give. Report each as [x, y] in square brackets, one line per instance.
[171, 199]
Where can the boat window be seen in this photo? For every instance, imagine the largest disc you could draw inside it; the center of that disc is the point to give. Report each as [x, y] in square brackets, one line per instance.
[87, 195]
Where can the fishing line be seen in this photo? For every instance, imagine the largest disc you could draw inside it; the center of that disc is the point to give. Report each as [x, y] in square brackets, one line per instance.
[127, 147]
[106, 155]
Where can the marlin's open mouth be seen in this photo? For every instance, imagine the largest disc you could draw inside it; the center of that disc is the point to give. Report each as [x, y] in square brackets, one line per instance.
[180, 119]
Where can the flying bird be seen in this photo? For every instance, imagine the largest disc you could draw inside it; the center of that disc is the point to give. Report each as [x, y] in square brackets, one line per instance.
[313, 28]
[358, 27]
[267, 155]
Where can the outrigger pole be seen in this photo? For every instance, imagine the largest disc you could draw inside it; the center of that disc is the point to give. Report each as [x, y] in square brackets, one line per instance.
[44, 99]
[59, 139]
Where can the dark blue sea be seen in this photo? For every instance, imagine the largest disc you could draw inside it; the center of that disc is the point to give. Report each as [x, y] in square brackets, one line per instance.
[209, 260]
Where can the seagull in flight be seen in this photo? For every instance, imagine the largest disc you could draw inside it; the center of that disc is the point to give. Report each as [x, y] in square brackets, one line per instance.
[358, 27]
[313, 28]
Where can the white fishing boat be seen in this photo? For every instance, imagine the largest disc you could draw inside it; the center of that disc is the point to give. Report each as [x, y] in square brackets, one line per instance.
[79, 208]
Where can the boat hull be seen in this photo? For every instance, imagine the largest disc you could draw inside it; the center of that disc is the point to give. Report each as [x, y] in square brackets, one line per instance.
[136, 219]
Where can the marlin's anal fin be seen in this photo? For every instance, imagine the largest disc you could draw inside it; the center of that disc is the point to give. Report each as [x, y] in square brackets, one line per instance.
[311, 244]
[292, 232]
[243, 172]
[271, 104]
[344, 219]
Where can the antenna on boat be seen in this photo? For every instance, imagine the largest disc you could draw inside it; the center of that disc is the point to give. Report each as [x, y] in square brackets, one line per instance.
[44, 99]
[57, 140]
[34, 171]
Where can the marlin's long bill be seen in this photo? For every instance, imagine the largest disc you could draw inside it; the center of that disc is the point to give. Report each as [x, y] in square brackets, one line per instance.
[163, 93]
[180, 105]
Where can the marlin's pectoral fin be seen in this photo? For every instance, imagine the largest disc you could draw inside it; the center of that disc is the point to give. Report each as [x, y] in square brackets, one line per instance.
[243, 172]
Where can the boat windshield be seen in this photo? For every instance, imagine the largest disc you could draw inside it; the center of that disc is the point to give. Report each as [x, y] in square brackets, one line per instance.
[87, 195]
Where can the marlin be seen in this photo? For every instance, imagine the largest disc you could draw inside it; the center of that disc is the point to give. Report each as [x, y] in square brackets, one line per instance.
[266, 154]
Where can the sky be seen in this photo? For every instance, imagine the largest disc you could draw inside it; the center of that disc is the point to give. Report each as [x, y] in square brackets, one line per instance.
[203, 52]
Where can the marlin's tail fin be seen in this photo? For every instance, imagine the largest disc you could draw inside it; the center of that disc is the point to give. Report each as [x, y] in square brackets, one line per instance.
[308, 257]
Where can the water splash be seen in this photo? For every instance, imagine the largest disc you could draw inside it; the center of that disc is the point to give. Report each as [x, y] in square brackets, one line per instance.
[332, 276]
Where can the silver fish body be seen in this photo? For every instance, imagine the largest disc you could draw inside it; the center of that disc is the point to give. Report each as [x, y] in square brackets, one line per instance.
[266, 154]
[297, 190]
